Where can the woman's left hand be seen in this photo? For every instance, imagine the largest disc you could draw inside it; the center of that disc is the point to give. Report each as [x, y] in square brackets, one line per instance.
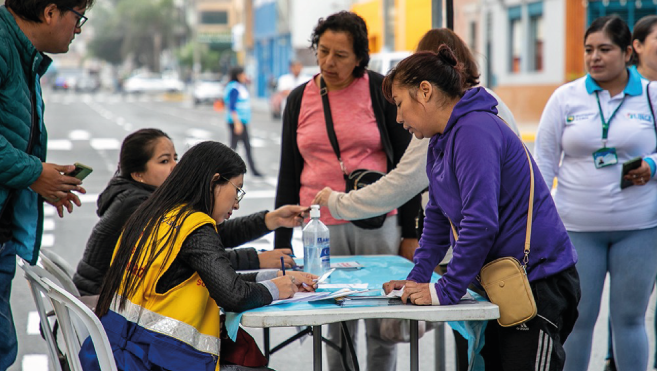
[639, 176]
[417, 293]
[303, 280]
[322, 197]
[288, 216]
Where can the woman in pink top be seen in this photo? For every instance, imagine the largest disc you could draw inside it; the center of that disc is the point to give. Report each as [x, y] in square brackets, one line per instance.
[368, 137]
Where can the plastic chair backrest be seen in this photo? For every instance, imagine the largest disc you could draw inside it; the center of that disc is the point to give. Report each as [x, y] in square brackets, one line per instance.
[53, 263]
[32, 275]
[58, 260]
[67, 307]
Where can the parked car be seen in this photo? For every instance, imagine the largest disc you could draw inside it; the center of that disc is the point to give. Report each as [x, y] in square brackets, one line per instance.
[384, 62]
[88, 83]
[152, 83]
[66, 79]
[208, 89]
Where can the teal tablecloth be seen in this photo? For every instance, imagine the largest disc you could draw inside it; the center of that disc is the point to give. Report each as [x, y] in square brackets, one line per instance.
[377, 270]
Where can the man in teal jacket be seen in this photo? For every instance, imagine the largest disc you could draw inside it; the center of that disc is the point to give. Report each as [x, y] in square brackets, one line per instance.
[28, 28]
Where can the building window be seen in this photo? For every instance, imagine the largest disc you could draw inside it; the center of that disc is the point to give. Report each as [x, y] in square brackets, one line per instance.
[515, 38]
[214, 18]
[536, 36]
[629, 11]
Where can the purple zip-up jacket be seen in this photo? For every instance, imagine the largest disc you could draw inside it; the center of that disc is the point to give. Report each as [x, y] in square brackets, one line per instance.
[479, 178]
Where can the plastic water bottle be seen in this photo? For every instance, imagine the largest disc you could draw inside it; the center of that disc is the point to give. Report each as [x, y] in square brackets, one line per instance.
[316, 257]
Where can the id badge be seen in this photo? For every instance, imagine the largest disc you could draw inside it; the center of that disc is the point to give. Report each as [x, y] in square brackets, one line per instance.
[605, 157]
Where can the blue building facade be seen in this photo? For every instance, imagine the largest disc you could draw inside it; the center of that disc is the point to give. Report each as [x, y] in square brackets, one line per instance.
[272, 50]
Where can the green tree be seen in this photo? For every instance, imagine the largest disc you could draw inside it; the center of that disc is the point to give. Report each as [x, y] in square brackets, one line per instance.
[138, 29]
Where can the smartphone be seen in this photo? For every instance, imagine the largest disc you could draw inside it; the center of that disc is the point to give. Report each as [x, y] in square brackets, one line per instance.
[81, 171]
[632, 164]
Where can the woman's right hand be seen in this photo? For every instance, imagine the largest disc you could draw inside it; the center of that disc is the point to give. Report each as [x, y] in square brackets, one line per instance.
[286, 286]
[322, 197]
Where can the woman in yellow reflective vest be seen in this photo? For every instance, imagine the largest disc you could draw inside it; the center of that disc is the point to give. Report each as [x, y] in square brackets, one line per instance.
[170, 274]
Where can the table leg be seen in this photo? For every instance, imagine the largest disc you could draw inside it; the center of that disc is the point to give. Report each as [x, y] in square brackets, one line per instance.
[265, 335]
[414, 346]
[317, 348]
[439, 345]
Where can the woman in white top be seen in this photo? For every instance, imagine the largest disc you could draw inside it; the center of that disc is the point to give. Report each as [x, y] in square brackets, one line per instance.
[644, 42]
[589, 128]
[409, 177]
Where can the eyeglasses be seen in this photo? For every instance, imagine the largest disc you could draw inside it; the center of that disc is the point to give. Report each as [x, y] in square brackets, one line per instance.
[82, 20]
[240, 192]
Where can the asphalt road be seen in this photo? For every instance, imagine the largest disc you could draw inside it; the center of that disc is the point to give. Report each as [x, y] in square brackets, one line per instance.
[90, 128]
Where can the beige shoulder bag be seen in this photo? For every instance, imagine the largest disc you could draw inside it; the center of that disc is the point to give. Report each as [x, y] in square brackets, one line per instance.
[505, 279]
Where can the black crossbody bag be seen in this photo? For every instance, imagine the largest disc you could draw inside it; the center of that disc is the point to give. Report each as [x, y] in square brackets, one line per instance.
[358, 178]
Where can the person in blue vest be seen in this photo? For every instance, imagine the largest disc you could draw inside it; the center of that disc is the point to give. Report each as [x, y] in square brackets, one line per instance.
[28, 29]
[238, 113]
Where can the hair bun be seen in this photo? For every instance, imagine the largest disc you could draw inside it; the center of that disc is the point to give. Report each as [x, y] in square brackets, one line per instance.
[447, 56]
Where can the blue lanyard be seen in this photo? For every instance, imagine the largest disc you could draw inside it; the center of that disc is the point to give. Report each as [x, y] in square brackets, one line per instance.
[605, 124]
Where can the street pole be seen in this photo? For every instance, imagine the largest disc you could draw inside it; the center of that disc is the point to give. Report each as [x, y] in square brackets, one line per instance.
[439, 329]
[388, 31]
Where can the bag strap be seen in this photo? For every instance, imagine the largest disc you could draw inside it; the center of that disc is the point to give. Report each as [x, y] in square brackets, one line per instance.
[323, 91]
[530, 211]
[652, 111]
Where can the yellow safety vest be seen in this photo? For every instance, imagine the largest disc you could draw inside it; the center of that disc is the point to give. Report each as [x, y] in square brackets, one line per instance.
[186, 312]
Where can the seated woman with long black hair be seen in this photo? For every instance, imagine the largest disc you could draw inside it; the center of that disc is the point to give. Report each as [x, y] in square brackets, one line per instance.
[170, 275]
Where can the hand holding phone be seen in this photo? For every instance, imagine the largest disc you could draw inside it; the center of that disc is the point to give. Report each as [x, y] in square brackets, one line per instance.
[628, 166]
[81, 171]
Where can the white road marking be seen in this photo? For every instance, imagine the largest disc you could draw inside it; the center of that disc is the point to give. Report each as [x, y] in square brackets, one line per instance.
[35, 362]
[105, 144]
[59, 144]
[258, 143]
[33, 323]
[48, 224]
[199, 133]
[79, 135]
[88, 198]
[48, 240]
[48, 210]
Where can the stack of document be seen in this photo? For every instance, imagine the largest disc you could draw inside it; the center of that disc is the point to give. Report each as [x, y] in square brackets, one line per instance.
[368, 301]
[313, 296]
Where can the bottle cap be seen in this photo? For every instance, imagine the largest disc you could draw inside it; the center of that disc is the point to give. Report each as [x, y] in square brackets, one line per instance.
[314, 211]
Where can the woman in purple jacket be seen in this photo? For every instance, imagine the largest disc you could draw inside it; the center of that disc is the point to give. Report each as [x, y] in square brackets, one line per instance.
[480, 179]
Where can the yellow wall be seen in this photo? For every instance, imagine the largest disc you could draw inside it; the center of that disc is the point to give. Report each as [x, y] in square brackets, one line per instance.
[413, 21]
[372, 13]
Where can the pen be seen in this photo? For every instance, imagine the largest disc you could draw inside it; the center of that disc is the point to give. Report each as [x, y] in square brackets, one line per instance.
[283, 265]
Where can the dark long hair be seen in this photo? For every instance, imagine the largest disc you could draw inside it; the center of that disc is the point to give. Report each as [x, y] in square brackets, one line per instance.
[642, 29]
[354, 26]
[436, 37]
[441, 69]
[235, 72]
[32, 10]
[190, 187]
[137, 149]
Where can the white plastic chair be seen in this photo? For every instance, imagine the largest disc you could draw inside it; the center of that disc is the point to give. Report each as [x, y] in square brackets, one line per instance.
[32, 274]
[59, 268]
[71, 314]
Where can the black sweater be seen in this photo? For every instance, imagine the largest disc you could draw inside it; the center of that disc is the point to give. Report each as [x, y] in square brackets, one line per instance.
[117, 203]
[393, 137]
